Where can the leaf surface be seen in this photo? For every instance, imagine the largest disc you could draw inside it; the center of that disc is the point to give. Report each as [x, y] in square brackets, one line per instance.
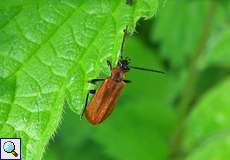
[207, 129]
[218, 52]
[179, 29]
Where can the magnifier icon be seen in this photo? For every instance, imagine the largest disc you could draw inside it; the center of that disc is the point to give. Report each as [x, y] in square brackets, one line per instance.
[9, 147]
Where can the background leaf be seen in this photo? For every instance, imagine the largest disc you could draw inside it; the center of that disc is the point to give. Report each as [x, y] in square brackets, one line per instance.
[208, 125]
[215, 149]
[180, 35]
[198, 53]
[218, 53]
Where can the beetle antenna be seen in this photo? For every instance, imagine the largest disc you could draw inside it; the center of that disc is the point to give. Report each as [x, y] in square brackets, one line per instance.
[146, 69]
[123, 41]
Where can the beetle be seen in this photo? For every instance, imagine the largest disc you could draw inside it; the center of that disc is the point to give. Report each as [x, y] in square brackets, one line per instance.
[106, 96]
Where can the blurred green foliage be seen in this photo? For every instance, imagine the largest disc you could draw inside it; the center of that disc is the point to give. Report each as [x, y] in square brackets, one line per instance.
[184, 114]
[191, 41]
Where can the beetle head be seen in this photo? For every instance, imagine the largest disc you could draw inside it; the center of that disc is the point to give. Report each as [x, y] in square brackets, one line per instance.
[123, 63]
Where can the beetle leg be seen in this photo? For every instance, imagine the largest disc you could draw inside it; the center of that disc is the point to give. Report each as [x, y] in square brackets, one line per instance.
[93, 81]
[86, 101]
[127, 81]
[92, 91]
[110, 65]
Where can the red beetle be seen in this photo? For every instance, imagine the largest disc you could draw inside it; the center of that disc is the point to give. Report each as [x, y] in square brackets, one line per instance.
[106, 96]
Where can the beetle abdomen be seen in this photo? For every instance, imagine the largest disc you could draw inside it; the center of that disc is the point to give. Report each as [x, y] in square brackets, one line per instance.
[104, 101]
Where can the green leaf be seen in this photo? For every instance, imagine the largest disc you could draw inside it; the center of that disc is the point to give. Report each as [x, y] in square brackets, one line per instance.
[74, 139]
[217, 149]
[180, 25]
[16, 3]
[218, 52]
[6, 15]
[48, 52]
[208, 124]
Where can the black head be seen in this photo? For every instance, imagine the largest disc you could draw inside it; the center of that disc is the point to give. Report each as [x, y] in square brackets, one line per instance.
[123, 63]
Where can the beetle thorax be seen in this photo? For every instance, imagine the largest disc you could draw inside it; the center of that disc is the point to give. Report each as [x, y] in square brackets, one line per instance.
[118, 74]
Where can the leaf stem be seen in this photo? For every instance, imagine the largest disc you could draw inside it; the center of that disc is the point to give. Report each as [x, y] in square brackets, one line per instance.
[184, 106]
